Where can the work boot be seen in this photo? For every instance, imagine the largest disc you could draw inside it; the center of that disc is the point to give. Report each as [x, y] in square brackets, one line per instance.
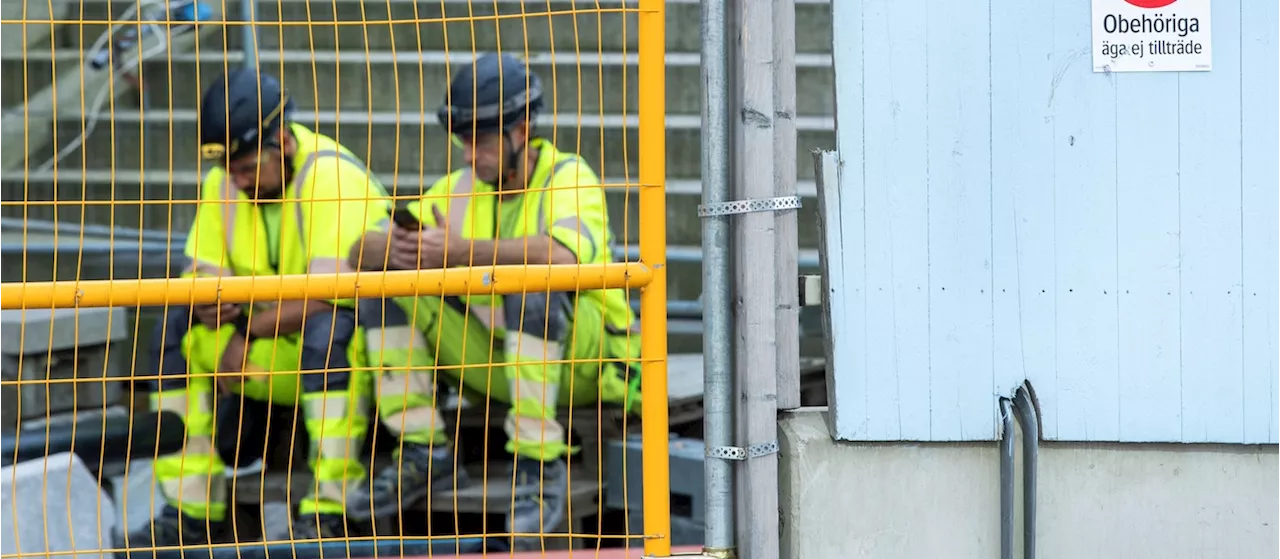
[541, 496]
[171, 528]
[401, 483]
[318, 526]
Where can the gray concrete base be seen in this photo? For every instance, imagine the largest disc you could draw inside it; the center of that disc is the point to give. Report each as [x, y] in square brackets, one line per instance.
[137, 496]
[1123, 501]
[54, 506]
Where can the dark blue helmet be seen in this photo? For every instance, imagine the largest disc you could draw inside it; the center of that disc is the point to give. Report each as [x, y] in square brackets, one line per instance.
[241, 112]
[494, 93]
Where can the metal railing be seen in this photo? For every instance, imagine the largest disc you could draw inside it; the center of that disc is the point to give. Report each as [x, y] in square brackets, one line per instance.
[645, 269]
[119, 243]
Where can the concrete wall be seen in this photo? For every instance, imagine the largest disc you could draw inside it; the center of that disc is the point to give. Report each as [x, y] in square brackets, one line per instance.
[1096, 500]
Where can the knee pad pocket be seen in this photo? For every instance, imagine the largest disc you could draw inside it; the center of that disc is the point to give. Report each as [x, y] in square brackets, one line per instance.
[545, 315]
[381, 313]
[177, 321]
[169, 362]
[325, 338]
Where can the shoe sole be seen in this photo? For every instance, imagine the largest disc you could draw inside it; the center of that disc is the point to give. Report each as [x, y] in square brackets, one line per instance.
[407, 497]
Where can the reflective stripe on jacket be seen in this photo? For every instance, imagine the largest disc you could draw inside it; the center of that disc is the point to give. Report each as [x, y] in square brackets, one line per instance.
[330, 203]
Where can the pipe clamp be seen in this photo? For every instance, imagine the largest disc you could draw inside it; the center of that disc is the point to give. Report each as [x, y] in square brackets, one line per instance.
[747, 206]
[739, 453]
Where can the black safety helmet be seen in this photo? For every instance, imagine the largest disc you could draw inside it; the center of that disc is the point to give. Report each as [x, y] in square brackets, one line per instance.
[493, 94]
[241, 112]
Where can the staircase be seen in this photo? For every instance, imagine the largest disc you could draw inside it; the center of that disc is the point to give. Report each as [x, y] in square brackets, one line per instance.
[375, 88]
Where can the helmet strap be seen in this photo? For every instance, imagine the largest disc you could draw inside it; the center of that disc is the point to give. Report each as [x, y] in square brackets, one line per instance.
[513, 158]
[286, 161]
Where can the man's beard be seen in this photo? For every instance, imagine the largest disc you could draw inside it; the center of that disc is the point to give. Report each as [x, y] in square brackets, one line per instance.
[274, 194]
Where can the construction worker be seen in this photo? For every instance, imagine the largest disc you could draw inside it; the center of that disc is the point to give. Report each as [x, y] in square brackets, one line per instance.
[278, 199]
[549, 208]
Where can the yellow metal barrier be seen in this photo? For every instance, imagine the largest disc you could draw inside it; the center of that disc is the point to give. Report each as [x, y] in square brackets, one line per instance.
[653, 244]
[248, 289]
[366, 78]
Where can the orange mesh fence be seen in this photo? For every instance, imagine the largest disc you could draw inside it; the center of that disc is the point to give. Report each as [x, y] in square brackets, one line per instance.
[366, 277]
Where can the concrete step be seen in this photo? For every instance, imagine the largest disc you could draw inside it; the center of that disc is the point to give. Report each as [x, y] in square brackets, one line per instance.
[112, 199]
[588, 83]
[455, 25]
[408, 143]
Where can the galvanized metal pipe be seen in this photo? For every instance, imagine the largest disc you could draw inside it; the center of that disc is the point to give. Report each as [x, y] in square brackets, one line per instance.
[717, 313]
[1006, 479]
[1025, 407]
[250, 34]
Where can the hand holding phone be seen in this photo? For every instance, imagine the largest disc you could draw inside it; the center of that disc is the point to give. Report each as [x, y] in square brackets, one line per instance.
[416, 246]
[406, 220]
[214, 315]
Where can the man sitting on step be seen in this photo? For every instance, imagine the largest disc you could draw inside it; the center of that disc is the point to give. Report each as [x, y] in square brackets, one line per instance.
[518, 201]
[277, 199]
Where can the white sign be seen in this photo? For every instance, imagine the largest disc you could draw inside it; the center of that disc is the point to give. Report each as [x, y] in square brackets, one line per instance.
[1151, 36]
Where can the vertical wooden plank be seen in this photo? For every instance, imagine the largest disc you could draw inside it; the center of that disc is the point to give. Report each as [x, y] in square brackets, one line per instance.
[1022, 202]
[897, 257]
[786, 243]
[755, 308]
[962, 400]
[847, 407]
[1085, 405]
[847, 375]
[1258, 92]
[1212, 345]
[1147, 229]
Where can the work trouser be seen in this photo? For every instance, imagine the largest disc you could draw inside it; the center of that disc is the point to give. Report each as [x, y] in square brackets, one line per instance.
[312, 368]
[555, 350]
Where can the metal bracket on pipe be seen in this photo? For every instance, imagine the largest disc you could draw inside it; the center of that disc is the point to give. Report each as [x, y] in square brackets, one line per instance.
[747, 206]
[705, 554]
[739, 453]
[723, 553]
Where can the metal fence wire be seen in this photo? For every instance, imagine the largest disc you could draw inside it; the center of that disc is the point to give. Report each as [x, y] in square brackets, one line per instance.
[400, 320]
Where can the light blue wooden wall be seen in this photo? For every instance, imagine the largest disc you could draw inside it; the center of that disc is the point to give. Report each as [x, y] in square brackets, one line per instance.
[1009, 214]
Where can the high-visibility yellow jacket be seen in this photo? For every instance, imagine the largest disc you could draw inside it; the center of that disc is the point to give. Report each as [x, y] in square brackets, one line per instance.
[564, 200]
[330, 203]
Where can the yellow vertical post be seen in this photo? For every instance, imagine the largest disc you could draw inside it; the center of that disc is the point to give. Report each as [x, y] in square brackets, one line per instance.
[653, 298]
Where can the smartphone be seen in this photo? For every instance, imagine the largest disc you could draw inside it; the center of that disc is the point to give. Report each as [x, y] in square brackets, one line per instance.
[241, 324]
[406, 220]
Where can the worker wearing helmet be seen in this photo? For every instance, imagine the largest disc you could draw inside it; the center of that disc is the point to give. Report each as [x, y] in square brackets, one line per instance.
[549, 208]
[277, 199]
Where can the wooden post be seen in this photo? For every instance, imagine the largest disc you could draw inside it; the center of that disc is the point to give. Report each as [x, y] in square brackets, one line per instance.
[786, 244]
[755, 269]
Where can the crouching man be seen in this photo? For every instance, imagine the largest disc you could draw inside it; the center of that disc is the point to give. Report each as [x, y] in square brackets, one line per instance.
[519, 201]
[278, 199]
